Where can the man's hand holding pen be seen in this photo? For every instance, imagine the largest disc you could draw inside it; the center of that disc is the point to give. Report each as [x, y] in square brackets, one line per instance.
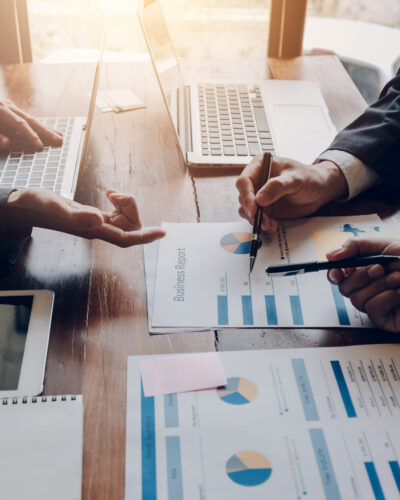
[293, 190]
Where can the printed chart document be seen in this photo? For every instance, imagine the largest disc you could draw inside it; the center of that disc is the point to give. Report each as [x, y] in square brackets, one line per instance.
[203, 275]
[310, 423]
[150, 255]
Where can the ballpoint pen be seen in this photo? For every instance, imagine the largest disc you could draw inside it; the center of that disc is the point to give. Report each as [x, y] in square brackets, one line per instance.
[255, 237]
[309, 267]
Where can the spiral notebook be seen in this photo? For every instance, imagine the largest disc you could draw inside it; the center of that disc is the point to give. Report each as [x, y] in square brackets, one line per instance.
[41, 448]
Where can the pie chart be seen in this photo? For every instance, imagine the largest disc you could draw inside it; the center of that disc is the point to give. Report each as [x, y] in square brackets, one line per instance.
[238, 391]
[237, 243]
[248, 468]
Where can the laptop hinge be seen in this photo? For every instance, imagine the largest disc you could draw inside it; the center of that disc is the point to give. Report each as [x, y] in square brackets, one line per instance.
[188, 120]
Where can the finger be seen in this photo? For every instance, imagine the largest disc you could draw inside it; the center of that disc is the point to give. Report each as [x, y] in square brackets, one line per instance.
[85, 220]
[14, 126]
[246, 185]
[243, 214]
[4, 144]
[243, 210]
[335, 276]
[348, 271]
[110, 191]
[382, 304]
[278, 187]
[356, 280]
[26, 135]
[247, 196]
[125, 239]
[358, 247]
[362, 296]
[47, 135]
[266, 222]
[128, 207]
[376, 271]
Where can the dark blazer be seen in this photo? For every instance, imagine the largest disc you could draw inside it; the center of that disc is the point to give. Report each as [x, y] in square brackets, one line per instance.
[374, 137]
[11, 245]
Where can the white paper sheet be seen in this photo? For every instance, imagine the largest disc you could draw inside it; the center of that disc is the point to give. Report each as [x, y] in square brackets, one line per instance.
[150, 254]
[118, 100]
[41, 449]
[308, 423]
[203, 276]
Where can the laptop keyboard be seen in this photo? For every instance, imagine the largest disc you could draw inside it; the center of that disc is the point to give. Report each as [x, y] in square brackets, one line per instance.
[233, 120]
[43, 169]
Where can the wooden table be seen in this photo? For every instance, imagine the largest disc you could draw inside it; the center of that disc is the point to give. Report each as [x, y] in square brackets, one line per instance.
[100, 314]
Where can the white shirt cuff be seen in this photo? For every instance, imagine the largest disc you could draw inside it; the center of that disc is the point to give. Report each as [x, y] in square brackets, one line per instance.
[359, 177]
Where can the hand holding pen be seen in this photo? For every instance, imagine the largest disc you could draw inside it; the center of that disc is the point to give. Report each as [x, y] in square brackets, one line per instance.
[375, 289]
[315, 266]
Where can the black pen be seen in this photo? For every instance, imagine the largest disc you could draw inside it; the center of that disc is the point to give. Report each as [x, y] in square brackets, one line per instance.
[255, 237]
[310, 267]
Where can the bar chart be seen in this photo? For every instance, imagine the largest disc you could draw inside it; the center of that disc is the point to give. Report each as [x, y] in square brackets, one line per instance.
[290, 299]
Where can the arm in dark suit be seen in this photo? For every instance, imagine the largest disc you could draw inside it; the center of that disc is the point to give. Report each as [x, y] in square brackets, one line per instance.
[374, 137]
[11, 244]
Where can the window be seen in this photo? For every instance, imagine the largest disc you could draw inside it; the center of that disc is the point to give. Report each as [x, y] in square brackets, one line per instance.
[364, 33]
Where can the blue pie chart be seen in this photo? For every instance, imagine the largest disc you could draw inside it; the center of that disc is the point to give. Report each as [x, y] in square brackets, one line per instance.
[237, 243]
[238, 391]
[248, 468]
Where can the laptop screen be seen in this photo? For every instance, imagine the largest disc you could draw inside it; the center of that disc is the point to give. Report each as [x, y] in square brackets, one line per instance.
[15, 315]
[165, 64]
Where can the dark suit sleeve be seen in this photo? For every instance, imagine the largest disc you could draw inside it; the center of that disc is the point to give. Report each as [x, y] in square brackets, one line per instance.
[374, 137]
[11, 242]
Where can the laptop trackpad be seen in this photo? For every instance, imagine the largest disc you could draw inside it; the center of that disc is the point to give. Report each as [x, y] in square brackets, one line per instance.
[301, 131]
[295, 118]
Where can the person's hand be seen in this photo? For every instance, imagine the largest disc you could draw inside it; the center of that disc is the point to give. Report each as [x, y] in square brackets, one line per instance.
[42, 208]
[374, 290]
[24, 131]
[293, 190]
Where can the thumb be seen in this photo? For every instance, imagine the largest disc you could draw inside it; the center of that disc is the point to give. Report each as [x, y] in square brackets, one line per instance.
[357, 247]
[87, 219]
[277, 188]
[4, 143]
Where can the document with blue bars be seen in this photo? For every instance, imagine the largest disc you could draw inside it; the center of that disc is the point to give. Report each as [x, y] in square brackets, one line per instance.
[314, 423]
[203, 277]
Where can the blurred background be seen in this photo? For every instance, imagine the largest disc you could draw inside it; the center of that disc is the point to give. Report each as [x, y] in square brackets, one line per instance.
[364, 33]
[58, 24]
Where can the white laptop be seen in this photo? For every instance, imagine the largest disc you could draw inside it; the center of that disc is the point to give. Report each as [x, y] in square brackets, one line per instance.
[55, 168]
[225, 123]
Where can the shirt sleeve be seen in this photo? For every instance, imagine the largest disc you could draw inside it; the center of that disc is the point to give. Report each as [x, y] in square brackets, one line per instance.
[359, 176]
[11, 242]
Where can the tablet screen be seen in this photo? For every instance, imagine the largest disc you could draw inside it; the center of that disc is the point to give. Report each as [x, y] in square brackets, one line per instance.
[15, 313]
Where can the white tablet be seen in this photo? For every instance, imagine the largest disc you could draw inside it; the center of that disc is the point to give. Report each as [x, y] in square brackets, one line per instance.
[25, 319]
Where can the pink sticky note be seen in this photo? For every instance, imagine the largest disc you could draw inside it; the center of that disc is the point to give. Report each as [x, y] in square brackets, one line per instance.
[187, 372]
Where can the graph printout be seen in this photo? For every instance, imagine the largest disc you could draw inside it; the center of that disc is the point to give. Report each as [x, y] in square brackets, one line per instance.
[315, 423]
[203, 275]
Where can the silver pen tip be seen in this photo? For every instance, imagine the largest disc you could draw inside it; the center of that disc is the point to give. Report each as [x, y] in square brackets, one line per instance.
[252, 261]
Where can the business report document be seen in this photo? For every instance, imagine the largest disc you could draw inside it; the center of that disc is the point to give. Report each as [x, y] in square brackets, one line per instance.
[297, 424]
[203, 277]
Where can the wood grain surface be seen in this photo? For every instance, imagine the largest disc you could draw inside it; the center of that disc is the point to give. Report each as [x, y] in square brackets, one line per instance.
[100, 314]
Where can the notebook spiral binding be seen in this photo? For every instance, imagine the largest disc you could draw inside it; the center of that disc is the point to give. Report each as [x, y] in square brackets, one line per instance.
[37, 399]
